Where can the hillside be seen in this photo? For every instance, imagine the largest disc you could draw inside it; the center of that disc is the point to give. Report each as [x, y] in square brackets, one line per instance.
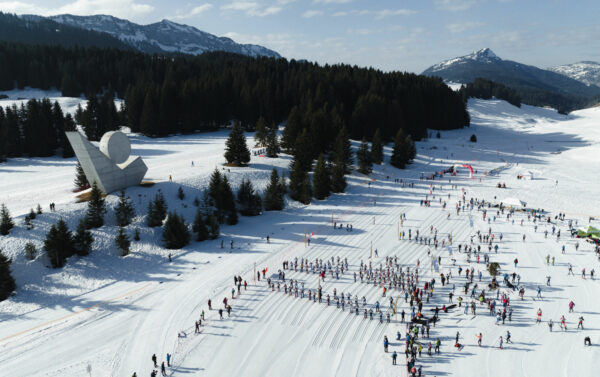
[587, 72]
[535, 86]
[38, 30]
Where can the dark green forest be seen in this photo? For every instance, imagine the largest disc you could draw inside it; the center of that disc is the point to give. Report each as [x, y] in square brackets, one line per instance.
[184, 94]
[486, 89]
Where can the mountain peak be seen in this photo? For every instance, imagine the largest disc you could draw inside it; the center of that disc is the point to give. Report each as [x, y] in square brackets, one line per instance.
[484, 54]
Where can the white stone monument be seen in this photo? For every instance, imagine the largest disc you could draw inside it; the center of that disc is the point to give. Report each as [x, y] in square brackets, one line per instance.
[110, 166]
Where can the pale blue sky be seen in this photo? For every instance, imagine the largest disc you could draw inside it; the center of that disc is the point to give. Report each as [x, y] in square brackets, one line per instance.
[406, 35]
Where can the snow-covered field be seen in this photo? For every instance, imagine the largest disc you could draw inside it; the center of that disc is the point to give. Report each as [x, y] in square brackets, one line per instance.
[111, 314]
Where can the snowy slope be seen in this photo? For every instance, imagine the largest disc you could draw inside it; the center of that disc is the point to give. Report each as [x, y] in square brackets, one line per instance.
[113, 313]
[163, 36]
[587, 72]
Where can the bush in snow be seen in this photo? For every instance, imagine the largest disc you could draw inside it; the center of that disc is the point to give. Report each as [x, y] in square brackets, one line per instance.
[494, 268]
[473, 138]
[180, 193]
[30, 251]
[123, 242]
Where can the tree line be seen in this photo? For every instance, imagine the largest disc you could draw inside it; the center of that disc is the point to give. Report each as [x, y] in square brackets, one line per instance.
[35, 129]
[166, 95]
[486, 89]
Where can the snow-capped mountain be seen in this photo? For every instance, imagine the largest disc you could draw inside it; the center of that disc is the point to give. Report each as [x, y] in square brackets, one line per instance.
[164, 36]
[536, 86]
[484, 55]
[587, 72]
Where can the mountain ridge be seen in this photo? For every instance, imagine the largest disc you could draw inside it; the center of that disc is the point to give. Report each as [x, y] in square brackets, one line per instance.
[163, 36]
[587, 71]
[536, 86]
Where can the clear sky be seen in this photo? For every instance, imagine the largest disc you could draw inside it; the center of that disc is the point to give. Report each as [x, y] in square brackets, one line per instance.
[406, 35]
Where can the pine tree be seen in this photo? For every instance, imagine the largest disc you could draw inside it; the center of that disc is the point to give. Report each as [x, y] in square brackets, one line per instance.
[363, 157]
[123, 242]
[298, 180]
[213, 188]
[338, 180]
[398, 158]
[342, 149]
[180, 193]
[6, 222]
[96, 208]
[175, 232]
[136, 234]
[274, 195]
[250, 202]
[303, 151]
[272, 144]
[227, 202]
[7, 283]
[321, 181]
[32, 215]
[236, 149]
[213, 226]
[124, 211]
[411, 150]
[377, 148]
[81, 181]
[199, 226]
[160, 206]
[39, 209]
[83, 239]
[261, 134]
[59, 244]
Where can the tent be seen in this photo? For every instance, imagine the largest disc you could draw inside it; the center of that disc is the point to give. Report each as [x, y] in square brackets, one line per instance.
[588, 231]
[514, 202]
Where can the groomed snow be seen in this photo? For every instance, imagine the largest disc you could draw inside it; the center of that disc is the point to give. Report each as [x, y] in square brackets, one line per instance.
[113, 313]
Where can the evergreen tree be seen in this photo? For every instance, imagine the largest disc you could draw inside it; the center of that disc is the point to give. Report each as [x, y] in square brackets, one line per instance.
[83, 239]
[6, 222]
[398, 158]
[274, 193]
[81, 181]
[96, 208]
[32, 215]
[342, 150]
[338, 180]
[213, 226]
[411, 149]
[377, 148]
[124, 211]
[160, 205]
[7, 283]
[180, 193]
[123, 242]
[299, 184]
[321, 181]
[136, 234]
[272, 144]
[59, 244]
[175, 232]
[228, 205]
[363, 157]
[39, 209]
[250, 202]
[262, 133]
[303, 154]
[236, 149]
[214, 188]
[199, 226]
